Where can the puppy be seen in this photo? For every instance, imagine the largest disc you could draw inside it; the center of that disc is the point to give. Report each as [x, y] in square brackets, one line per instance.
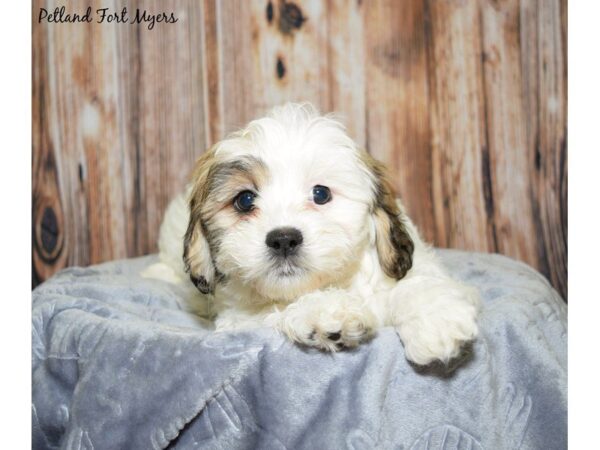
[288, 224]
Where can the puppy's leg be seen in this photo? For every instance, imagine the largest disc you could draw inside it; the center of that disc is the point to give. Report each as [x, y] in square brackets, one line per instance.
[434, 316]
[329, 319]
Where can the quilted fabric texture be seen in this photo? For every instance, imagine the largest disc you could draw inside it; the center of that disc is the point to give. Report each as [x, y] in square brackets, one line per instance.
[119, 362]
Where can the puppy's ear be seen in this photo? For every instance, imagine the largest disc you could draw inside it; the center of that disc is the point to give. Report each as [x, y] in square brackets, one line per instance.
[394, 245]
[197, 258]
[197, 255]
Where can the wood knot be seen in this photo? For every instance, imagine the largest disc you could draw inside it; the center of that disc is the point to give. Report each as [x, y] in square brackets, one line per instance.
[280, 68]
[290, 17]
[49, 228]
[80, 170]
[47, 231]
[491, 57]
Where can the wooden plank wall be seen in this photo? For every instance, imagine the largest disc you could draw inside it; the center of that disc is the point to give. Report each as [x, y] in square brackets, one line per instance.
[464, 100]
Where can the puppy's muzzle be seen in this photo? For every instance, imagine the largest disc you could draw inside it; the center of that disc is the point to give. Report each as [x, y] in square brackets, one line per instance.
[284, 242]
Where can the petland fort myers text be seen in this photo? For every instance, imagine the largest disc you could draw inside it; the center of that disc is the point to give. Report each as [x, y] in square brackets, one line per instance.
[106, 15]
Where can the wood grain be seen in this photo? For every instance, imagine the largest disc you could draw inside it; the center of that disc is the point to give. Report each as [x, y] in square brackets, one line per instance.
[271, 60]
[463, 204]
[465, 102]
[543, 58]
[119, 135]
[397, 102]
[506, 146]
[347, 80]
[50, 250]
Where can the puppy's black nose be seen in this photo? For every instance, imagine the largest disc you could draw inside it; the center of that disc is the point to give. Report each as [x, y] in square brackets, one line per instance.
[284, 241]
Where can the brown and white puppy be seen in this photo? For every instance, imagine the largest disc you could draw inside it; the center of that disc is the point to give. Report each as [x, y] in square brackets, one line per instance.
[287, 223]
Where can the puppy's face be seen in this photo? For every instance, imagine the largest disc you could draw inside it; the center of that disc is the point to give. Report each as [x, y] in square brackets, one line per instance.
[287, 206]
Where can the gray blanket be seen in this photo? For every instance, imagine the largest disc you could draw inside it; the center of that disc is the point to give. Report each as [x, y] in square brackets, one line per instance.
[118, 363]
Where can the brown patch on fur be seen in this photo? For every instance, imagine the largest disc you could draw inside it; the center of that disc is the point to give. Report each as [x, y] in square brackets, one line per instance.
[215, 185]
[394, 245]
[196, 250]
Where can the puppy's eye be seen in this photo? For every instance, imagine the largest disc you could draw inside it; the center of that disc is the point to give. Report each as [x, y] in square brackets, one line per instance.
[321, 194]
[244, 201]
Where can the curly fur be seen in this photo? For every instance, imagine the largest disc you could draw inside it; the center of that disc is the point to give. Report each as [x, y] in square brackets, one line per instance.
[361, 265]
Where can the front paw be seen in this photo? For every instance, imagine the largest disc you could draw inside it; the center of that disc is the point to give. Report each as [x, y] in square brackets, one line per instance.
[440, 327]
[327, 323]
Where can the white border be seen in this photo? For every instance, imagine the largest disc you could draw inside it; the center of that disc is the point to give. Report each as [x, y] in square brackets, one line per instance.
[584, 223]
[15, 262]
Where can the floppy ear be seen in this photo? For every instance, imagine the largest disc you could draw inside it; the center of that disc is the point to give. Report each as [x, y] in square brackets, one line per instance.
[394, 245]
[197, 255]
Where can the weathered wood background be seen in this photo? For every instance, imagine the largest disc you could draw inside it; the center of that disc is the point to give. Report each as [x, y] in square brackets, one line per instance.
[464, 100]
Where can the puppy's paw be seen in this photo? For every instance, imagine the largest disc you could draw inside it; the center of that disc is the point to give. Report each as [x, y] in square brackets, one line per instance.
[328, 320]
[439, 325]
[437, 339]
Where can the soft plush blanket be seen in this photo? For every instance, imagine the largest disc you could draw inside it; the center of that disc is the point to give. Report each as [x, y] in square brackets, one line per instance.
[119, 363]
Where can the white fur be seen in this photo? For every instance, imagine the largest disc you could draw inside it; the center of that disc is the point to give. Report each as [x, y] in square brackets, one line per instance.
[338, 293]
